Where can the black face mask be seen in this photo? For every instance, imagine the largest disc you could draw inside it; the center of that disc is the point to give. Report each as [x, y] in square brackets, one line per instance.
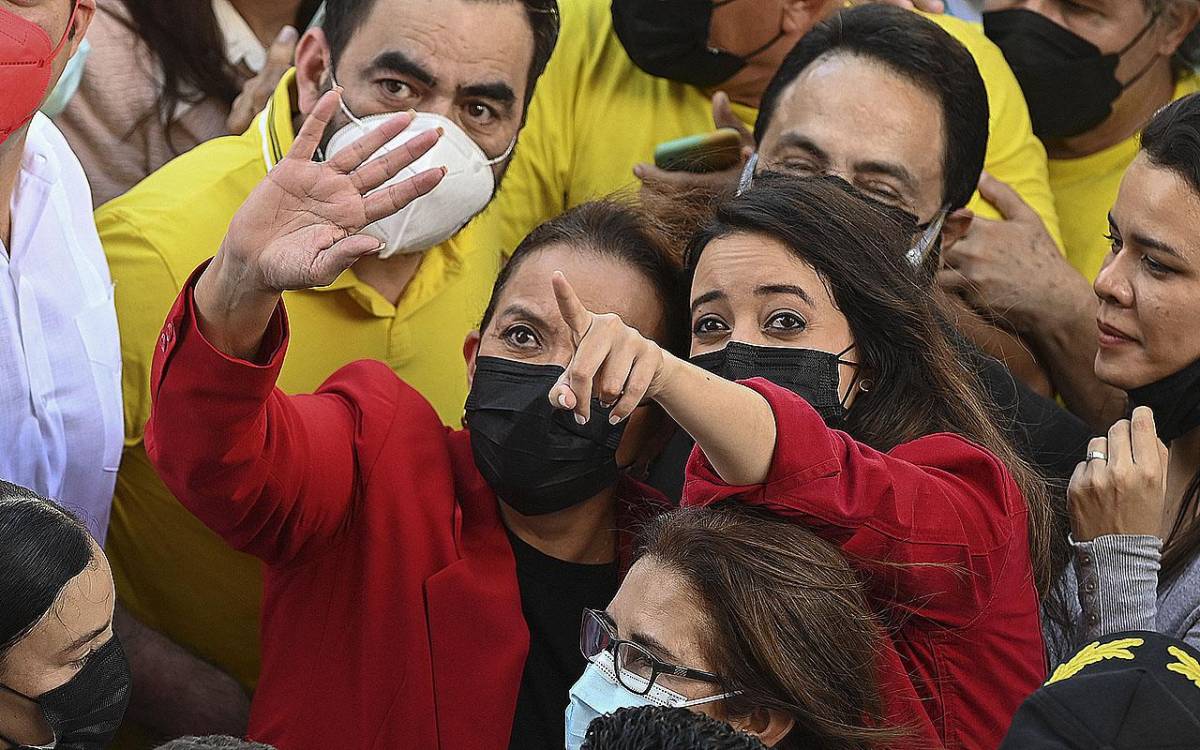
[809, 373]
[537, 458]
[85, 712]
[1175, 401]
[1069, 84]
[669, 39]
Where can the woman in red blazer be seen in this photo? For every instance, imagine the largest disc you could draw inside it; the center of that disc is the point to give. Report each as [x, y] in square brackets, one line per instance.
[857, 421]
[404, 605]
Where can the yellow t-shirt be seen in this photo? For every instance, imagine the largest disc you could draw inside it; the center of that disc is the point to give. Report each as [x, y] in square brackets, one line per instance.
[1086, 188]
[170, 570]
[595, 115]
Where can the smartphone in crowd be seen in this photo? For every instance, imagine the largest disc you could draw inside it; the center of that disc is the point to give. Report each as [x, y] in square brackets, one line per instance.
[707, 152]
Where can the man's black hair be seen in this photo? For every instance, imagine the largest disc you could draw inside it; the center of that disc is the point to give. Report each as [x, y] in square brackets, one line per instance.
[920, 51]
[344, 17]
[659, 728]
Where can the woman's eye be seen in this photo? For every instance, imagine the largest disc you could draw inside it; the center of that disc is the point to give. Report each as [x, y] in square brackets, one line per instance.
[521, 336]
[481, 114]
[81, 662]
[786, 321]
[709, 324]
[1114, 242]
[1154, 267]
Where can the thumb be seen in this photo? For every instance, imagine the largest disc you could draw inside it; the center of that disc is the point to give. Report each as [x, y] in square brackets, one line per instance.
[330, 263]
[723, 117]
[1006, 200]
[283, 49]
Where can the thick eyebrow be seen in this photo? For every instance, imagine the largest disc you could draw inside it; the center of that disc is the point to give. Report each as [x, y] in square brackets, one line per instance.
[521, 311]
[87, 638]
[662, 652]
[707, 297]
[396, 61]
[795, 140]
[888, 169]
[769, 289]
[1150, 242]
[498, 91]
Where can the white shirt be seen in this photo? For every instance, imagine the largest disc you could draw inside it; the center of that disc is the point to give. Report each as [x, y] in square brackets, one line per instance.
[61, 424]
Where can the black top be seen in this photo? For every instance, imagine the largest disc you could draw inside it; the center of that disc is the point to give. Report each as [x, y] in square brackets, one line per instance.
[554, 594]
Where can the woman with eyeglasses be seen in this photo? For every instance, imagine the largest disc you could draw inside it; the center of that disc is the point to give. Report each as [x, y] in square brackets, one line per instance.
[757, 622]
[857, 421]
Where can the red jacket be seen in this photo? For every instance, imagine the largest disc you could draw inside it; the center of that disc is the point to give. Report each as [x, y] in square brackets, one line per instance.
[391, 611]
[966, 627]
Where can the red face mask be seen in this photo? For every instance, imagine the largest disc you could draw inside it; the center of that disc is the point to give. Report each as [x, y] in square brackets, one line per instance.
[26, 59]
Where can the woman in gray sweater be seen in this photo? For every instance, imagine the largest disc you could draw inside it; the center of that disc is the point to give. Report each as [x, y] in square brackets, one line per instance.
[1134, 500]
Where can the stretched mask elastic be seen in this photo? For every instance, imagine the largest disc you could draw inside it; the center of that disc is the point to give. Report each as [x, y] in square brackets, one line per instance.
[920, 251]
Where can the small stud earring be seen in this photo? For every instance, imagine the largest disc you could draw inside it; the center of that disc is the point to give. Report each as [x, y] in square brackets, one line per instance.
[866, 386]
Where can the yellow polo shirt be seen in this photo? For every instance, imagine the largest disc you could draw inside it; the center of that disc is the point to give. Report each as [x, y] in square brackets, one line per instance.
[170, 570]
[595, 115]
[1086, 188]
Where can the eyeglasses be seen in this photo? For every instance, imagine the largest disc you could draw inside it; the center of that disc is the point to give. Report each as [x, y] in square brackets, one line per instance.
[636, 668]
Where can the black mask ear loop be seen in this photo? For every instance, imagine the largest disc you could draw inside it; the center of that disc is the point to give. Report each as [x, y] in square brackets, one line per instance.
[853, 381]
[1132, 42]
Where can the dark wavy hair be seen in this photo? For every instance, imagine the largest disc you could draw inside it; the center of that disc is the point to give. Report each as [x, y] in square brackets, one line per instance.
[42, 547]
[183, 36]
[1172, 141]
[923, 53]
[920, 386]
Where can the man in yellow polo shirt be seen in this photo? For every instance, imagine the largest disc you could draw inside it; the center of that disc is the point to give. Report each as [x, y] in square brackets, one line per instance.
[597, 115]
[411, 310]
[1092, 81]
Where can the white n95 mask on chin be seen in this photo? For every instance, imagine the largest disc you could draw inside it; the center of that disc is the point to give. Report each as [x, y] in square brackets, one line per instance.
[437, 216]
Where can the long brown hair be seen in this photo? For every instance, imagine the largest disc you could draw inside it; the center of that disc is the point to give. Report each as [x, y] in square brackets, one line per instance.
[920, 385]
[787, 622]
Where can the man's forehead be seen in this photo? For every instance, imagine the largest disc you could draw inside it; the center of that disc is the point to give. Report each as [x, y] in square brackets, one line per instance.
[461, 42]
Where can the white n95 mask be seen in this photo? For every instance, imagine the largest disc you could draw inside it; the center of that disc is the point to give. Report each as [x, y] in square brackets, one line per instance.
[437, 216]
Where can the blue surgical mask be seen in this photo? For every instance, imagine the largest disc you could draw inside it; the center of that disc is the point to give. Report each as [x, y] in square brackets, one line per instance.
[597, 693]
[68, 82]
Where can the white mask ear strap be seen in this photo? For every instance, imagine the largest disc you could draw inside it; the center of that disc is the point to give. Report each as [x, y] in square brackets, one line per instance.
[342, 101]
[507, 152]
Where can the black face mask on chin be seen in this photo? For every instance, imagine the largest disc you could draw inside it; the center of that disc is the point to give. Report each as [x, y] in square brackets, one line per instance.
[85, 712]
[669, 39]
[535, 457]
[1069, 84]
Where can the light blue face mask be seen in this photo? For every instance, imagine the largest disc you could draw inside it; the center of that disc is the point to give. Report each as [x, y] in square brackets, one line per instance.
[597, 693]
[68, 83]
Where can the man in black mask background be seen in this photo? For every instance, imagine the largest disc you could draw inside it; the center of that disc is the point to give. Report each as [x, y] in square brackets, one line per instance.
[629, 75]
[1092, 78]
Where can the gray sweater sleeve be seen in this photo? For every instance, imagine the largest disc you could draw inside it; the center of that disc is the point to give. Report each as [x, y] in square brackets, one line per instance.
[1118, 583]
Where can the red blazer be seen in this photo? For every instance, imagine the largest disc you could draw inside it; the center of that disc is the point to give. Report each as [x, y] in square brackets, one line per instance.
[391, 611]
[967, 628]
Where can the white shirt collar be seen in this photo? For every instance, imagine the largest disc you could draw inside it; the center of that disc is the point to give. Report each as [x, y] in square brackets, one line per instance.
[242, 46]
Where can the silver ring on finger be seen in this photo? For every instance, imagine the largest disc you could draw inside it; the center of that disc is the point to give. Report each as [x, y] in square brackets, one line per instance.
[1096, 456]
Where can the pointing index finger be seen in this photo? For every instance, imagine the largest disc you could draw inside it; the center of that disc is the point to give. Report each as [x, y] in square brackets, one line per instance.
[574, 314]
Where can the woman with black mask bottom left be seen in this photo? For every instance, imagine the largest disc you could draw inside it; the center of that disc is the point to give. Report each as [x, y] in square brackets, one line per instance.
[423, 586]
[64, 682]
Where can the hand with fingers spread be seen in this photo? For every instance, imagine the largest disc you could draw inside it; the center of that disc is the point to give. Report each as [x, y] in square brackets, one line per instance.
[612, 361]
[1121, 487]
[301, 225]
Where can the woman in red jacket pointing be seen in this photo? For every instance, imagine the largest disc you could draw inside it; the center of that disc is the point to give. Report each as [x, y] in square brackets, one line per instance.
[801, 286]
[423, 586]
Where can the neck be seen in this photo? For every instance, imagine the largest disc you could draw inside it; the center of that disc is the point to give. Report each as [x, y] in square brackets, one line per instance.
[1182, 465]
[267, 17]
[583, 533]
[1131, 111]
[11, 152]
[389, 277]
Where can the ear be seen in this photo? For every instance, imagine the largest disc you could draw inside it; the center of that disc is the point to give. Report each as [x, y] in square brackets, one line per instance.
[312, 69]
[955, 227]
[767, 724]
[799, 16]
[1178, 20]
[83, 19]
[471, 353]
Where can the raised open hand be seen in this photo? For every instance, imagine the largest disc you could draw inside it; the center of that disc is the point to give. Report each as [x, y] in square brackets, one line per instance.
[612, 360]
[300, 227]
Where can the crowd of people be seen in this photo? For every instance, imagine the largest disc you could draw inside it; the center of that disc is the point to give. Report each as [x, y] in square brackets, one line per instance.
[599, 374]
